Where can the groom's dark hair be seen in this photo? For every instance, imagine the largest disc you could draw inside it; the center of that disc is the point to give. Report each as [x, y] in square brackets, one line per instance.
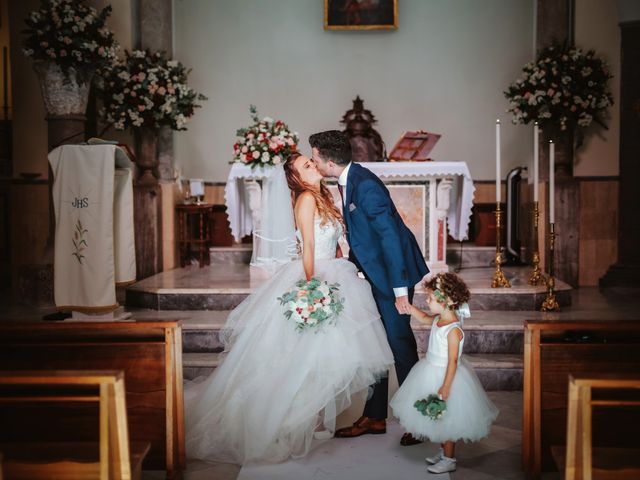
[333, 145]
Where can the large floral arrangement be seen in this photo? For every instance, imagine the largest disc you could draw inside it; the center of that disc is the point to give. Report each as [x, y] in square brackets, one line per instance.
[312, 303]
[565, 89]
[147, 90]
[266, 142]
[72, 35]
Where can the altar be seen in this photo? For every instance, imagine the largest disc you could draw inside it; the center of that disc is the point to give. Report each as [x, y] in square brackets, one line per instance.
[433, 198]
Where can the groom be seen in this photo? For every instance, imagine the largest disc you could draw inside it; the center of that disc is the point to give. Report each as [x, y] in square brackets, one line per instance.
[383, 248]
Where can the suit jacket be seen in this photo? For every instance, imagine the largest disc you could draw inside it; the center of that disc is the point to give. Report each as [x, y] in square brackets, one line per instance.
[381, 245]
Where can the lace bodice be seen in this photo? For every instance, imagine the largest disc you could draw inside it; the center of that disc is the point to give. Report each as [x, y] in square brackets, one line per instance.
[326, 238]
[438, 350]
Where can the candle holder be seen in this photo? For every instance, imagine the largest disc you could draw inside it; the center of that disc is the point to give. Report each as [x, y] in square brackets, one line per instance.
[536, 277]
[499, 280]
[550, 303]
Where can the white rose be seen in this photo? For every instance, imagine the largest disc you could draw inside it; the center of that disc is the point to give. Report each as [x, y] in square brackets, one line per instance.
[277, 159]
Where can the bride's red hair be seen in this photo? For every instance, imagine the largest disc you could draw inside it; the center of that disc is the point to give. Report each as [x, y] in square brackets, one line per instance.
[324, 199]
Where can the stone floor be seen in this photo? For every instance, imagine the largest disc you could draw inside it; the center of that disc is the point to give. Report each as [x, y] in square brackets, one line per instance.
[381, 457]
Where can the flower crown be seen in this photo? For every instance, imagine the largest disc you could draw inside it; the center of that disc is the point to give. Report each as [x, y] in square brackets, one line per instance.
[440, 295]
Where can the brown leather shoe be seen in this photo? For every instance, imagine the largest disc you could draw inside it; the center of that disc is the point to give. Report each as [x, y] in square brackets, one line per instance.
[407, 440]
[363, 426]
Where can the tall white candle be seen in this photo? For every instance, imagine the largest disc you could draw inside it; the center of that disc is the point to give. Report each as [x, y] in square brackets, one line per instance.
[498, 189]
[536, 159]
[552, 161]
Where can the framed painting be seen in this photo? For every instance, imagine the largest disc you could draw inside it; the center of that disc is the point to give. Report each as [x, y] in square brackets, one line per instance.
[360, 14]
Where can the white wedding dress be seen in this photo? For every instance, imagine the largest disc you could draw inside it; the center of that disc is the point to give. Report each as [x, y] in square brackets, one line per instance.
[276, 385]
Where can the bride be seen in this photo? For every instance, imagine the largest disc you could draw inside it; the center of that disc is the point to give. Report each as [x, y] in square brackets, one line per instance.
[278, 391]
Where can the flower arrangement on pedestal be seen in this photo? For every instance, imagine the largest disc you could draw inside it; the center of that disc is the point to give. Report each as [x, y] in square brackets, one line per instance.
[266, 142]
[144, 92]
[565, 90]
[147, 90]
[69, 42]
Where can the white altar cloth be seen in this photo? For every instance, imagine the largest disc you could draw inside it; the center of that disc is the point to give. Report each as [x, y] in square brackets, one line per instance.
[458, 215]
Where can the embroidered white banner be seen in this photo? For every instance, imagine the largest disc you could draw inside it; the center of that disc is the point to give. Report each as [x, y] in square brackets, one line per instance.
[94, 241]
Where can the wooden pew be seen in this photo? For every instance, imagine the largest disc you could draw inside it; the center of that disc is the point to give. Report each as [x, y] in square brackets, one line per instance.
[554, 350]
[109, 458]
[582, 461]
[149, 353]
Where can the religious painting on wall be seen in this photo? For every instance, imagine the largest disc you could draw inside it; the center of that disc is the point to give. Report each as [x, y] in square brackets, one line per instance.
[360, 14]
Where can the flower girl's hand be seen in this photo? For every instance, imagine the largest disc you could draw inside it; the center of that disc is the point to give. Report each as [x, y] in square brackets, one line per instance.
[443, 393]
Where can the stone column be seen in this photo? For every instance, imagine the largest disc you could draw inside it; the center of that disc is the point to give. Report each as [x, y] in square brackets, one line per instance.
[154, 33]
[626, 271]
[555, 22]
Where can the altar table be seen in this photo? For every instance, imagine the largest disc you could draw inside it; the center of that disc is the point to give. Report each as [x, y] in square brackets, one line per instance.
[429, 196]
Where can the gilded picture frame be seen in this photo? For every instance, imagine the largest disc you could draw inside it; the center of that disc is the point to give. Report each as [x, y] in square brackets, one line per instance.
[360, 14]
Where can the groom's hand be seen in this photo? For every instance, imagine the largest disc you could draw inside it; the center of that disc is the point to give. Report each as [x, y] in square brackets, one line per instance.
[403, 305]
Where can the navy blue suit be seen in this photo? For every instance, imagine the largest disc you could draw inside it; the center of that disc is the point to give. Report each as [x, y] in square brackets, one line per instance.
[386, 251]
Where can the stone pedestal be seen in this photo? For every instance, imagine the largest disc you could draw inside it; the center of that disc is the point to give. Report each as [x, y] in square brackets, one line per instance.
[626, 271]
[147, 216]
[567, 229]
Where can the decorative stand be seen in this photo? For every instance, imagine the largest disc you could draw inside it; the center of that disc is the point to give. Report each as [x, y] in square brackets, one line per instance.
[550, 303]
[499, 280]
[536, 277]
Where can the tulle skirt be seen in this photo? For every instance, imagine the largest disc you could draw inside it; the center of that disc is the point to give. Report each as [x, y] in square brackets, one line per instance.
[469, 413]
[275, 384]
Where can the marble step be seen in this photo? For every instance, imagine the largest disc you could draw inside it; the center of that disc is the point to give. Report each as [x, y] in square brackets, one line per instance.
[223, 287]
[495, 371]
[466, 255]
[238, 254]
[482, 336]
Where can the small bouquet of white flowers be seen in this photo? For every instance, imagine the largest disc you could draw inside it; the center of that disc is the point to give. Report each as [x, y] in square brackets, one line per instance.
[433, 407]
[312, 303]
[266, 142]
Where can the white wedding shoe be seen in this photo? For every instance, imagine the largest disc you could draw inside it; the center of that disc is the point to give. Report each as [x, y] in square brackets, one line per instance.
[322, 434]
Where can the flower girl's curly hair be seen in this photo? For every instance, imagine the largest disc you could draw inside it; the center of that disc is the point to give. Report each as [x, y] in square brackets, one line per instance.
[449, 289]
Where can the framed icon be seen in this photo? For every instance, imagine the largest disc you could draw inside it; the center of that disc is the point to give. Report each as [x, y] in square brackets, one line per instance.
[360, 14]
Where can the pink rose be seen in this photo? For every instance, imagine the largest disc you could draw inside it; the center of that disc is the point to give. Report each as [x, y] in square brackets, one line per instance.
[162, 91]
[63, 53]
[141, 108]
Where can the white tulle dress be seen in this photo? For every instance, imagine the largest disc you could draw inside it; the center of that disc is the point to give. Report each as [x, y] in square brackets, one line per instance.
[276, 384]
[469, 413]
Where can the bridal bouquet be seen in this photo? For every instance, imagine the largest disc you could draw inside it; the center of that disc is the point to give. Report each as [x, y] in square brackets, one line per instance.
[432, 406]
[312, 303]
[266, 142]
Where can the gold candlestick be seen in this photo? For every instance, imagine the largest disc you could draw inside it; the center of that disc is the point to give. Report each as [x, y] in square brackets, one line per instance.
[550, 303]
[499, 280]
[536, 277]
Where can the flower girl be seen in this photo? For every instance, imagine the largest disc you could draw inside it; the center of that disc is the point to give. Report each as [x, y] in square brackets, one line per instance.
[442, 399]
